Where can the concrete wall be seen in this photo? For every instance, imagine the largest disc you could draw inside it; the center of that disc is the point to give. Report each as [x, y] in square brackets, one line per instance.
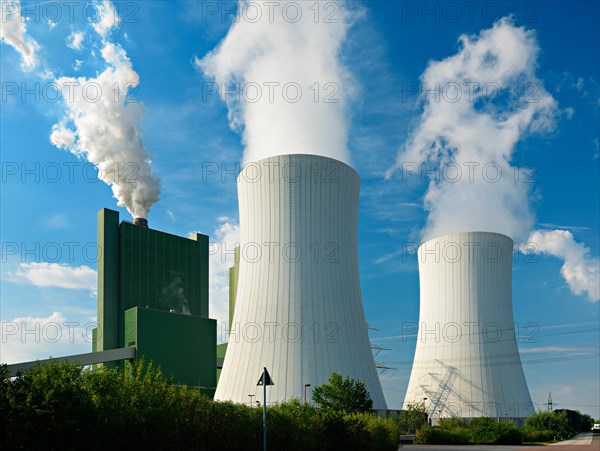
[467, 362]
[298, 309]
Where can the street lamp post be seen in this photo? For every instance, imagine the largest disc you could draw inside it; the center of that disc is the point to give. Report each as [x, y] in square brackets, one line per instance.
[305, 386]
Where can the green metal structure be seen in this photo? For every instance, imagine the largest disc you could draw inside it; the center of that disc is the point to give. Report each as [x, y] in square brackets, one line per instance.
[153, 294]
[233, 282]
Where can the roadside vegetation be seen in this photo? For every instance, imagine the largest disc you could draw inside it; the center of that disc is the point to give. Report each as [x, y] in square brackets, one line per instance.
[541, 427]
[65, 407]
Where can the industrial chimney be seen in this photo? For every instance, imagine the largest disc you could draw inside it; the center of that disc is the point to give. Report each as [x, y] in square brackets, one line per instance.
[298, 309]
[141, 222]
[467, 361]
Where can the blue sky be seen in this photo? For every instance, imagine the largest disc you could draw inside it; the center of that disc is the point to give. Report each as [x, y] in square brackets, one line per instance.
[50, 197]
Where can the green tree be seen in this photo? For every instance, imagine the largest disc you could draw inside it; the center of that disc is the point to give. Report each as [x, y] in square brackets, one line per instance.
[411, 418]
[343, 395]
[553, 425]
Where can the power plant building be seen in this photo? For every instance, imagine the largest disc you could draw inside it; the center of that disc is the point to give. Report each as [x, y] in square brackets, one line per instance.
[298, 305]
[153, 294]
[467, 362]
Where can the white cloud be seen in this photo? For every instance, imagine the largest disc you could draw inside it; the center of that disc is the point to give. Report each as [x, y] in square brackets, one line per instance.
[14, 33]
[33, 338]
[77, 65]
[580, 270]
[171, 215]
[57, 221]
[107, 18]
[569, 112]
[55, 275]
[473, 122]
[74, 40]
[227, 237]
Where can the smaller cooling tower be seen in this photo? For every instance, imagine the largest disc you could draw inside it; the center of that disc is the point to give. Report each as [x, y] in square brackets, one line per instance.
[467, 362]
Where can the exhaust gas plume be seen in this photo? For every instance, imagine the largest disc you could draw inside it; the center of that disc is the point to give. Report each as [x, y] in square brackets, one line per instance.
[103, 125]
[479, 103]
[281, 75]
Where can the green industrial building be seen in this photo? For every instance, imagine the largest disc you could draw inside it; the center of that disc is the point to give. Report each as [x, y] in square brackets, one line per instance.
[233, 281]
[153, 295]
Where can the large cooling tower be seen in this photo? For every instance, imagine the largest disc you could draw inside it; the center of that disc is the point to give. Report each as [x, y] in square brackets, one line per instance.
[298, 309]
[467, 362]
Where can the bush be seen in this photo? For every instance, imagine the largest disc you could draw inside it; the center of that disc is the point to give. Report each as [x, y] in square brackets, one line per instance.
[508, 434]
[557, 422]
[444, 436]
[411, 419]
[60, 406]
[456, 431]
[490, 431]
[530, 435]
[381, 433]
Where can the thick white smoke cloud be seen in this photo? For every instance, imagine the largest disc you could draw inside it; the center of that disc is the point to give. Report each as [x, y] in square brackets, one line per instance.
[288, 88]
[103, 125]
[13, 31]
[479, 103]
[580, 270]
[221, 258]
[486, 97]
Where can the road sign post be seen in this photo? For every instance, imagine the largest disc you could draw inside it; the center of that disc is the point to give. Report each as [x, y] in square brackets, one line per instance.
[265, 380]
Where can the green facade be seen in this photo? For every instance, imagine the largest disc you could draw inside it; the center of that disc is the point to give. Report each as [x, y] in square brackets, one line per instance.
[181, 345]
[143, 270]
[221, 350]
[233, 283]
[161, 271]
[107, 335]
[234, 272]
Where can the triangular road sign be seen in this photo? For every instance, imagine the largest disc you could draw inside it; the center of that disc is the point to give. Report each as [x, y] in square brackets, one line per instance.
[265, 378]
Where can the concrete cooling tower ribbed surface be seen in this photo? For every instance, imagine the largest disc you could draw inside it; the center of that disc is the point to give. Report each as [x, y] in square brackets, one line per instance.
[298, 309]
[467, 362]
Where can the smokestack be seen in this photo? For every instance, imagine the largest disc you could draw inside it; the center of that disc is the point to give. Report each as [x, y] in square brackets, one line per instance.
[298, 306]
[467, 362]
[141, 222]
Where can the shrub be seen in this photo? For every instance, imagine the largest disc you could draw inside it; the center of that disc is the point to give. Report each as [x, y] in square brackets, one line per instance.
[411, 419]
[508, 434]
[530, 435]
[61, 406]
[442, 436]
[557, 422]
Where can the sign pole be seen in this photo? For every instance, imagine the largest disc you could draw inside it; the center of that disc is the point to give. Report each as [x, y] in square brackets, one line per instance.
[265, 380]
[265, 410]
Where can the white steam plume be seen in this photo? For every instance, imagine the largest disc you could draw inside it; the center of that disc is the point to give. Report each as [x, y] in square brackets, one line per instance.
[102, 125]
[489, 98]
[580, 270]
[480, 103]
[266, 62]
[13, 31]
[221, 258]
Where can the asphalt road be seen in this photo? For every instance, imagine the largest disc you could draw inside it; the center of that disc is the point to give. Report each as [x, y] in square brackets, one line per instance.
[582, 442]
